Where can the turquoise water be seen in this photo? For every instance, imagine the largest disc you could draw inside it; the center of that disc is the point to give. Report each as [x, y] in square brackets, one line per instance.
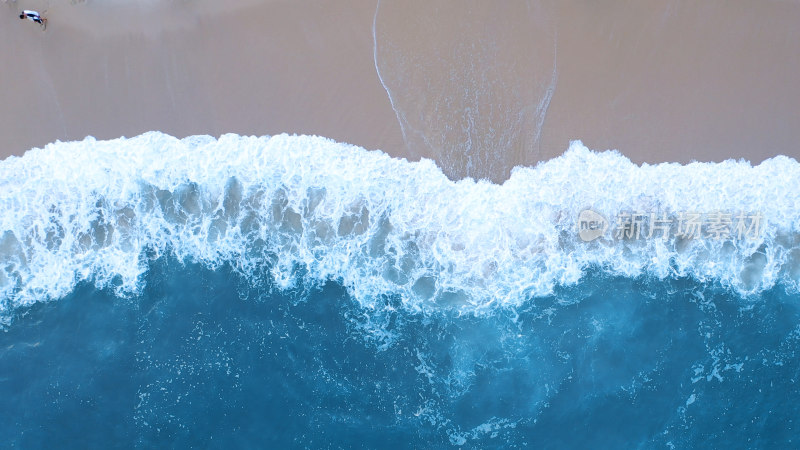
[293, 292]
[201, 358]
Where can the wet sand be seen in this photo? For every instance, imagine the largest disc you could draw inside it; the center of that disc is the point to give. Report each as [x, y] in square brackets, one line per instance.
[190, 68]
[479, 87]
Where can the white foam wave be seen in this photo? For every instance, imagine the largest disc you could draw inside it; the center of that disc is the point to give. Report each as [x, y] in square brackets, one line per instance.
[271, 206]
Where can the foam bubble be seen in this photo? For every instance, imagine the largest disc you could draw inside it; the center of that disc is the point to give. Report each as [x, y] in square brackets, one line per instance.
[287, 207]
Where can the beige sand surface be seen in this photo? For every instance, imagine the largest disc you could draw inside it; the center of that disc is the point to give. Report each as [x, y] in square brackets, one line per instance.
[672, 80]
[479, 86]
[191, 68]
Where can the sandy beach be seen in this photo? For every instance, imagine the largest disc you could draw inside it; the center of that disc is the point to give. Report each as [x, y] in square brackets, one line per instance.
[478, 87]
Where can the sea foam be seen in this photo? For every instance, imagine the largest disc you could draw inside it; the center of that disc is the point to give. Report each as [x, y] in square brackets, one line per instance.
[301, 209]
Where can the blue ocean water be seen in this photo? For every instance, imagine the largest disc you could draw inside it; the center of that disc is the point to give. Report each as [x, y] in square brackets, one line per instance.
[202, 359]
[293, 292]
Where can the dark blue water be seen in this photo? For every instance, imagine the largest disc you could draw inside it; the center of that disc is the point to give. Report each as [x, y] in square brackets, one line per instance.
[203, 359]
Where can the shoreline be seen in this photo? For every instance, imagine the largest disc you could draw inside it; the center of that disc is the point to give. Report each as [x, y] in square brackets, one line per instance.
[660, 84]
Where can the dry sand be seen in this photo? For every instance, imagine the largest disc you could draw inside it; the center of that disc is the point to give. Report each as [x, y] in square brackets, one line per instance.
[478, 86]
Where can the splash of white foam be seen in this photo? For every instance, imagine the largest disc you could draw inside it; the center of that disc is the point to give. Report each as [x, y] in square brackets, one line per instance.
[270, 206]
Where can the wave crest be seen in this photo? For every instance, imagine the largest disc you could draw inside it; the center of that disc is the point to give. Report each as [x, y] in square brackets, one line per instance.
[307, 209]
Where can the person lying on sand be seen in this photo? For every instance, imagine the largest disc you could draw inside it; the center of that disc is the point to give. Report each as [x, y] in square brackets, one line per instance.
[33, 16]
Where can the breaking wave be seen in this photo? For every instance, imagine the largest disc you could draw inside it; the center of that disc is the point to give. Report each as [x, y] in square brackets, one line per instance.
[302, 209]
